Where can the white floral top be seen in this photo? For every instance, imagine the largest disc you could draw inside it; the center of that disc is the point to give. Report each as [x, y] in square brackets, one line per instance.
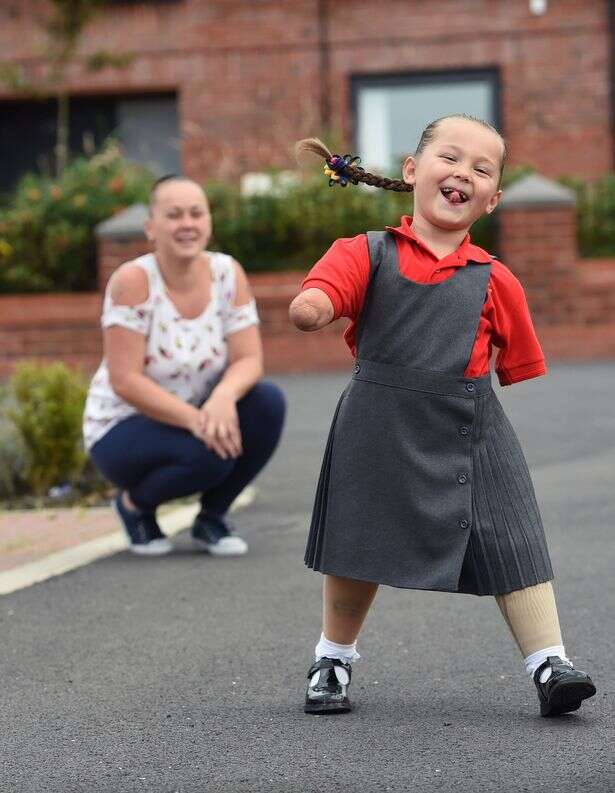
[185, 356]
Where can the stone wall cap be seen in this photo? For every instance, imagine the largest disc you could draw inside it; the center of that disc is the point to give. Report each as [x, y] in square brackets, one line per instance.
[535, 190]
[127, 224]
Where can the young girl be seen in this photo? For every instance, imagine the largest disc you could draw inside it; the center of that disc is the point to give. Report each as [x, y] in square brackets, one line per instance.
[423, 483]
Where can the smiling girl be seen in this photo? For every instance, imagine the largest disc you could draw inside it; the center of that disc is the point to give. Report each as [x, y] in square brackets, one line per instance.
[424, 484]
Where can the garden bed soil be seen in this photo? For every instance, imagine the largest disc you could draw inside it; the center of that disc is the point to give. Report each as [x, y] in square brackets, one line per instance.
[31, 534]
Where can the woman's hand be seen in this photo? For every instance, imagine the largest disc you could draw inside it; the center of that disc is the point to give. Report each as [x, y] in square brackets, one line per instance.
[219, 428]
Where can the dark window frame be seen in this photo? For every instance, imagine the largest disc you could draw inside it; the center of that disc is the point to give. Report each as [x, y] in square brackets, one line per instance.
[105, 103]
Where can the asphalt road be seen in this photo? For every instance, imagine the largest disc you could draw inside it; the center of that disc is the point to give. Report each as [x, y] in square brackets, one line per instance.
[187, 673]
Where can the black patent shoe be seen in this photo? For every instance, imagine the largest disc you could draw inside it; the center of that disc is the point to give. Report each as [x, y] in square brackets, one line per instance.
[327, 695]
[565, 689]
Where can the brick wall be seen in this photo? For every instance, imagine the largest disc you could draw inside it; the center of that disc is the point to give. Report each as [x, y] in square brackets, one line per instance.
[248, 77]
[67, 327]
[112, 253]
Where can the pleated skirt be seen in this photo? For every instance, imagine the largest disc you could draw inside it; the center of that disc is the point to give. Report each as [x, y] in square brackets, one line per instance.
[503, 551]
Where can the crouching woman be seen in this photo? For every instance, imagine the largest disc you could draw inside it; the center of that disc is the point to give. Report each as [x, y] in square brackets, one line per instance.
[177, 406]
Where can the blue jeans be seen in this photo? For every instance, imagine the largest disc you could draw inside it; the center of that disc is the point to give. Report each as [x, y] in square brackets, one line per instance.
[157, 462]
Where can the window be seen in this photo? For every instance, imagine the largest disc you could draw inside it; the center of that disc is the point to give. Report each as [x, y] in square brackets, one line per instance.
[148, 130]
[390, 112]
[146, 126]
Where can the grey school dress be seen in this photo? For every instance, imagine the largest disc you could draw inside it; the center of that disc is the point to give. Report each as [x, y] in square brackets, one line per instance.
[424, 484]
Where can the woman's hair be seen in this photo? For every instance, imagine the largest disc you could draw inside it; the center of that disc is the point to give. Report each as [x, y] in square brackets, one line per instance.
[356, 174]
[170, 177]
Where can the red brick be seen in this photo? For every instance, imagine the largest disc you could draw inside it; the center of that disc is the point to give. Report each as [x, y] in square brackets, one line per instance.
[248, 83]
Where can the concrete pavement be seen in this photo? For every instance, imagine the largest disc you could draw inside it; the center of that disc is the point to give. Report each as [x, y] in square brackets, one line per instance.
[187, 673]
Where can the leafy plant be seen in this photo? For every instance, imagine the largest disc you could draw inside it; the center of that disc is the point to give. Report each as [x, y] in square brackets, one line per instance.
[595, 214]
[12, 452]
[47, 233]
[291, 226]
[47, 413]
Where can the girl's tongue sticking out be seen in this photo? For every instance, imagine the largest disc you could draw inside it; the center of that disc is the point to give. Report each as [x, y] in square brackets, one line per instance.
[454, 196]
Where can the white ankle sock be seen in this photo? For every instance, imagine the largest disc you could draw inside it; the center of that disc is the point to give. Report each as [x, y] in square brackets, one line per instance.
[345, 652]
[533, 661]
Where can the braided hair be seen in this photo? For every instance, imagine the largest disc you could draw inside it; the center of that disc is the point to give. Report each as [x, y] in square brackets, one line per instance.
[353, 173]
[346, 167]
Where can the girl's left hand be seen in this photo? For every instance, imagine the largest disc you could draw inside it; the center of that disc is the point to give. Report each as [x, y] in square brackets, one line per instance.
[221, 432]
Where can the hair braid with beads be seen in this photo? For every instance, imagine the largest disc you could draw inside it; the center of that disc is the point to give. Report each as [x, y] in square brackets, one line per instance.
[353, 173]
[356, 174]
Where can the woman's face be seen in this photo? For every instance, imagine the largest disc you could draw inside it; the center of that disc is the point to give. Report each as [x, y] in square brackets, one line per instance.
[456, 175]
[179, 222]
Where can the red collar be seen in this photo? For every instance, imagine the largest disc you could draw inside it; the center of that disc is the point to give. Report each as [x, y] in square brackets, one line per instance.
[466, 252]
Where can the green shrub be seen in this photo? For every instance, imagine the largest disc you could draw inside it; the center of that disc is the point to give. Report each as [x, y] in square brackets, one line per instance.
[47, 241]
[595, 215]
[291, 227]
[12, 453]
[47, 229]
[47, 412]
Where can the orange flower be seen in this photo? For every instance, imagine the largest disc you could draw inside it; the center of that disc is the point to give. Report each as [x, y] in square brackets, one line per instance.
[55, 192]
[116, 185]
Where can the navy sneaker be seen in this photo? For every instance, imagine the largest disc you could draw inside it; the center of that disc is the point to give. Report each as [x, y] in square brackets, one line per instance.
[142, 530]
[211, 534]
[564, 689]
[327, 690]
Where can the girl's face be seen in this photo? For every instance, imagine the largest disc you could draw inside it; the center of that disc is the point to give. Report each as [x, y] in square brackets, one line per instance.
[179, 222]
[456, 175]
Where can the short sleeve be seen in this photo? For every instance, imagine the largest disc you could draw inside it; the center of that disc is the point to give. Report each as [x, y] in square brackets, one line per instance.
[342, 273]
[137, 318]
[520, 356]
[234, 318]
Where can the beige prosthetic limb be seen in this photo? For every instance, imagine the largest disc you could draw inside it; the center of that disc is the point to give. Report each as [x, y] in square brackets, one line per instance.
[531, 615]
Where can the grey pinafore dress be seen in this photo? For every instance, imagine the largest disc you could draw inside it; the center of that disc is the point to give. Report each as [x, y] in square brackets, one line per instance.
[424, 484]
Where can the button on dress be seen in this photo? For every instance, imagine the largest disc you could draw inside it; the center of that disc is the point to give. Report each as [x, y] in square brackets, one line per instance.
[424, 484]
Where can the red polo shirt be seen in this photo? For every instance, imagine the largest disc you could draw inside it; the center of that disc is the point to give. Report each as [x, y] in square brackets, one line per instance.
[505, 322]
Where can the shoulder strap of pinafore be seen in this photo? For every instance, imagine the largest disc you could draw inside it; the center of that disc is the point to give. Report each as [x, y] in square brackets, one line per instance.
[381, 248]
[378, 245]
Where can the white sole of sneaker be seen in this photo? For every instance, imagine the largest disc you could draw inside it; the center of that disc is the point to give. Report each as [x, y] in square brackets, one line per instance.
[229, 546]
[154, 548]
